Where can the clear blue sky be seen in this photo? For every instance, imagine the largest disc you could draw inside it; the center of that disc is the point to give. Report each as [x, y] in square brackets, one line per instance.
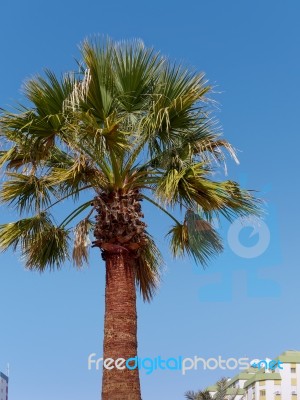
[239, 307]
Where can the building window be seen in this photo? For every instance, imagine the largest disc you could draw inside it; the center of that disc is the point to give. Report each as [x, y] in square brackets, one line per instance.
[277, 397]
[294, 381]
[262, 383]
[294, 397]
[277, 382]
[262, 394]
[293, 370]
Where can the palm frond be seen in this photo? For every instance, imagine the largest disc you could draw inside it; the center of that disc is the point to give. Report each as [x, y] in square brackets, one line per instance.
[200, 395]
[7, 156]
[175, 103]
[221, 390]
[48, 96]
[47, 249]
[26, 192]
[59, 158]
[148, 269]
[20, 232]
[191, 395]
[81, 242]
[97, 90]
[80, 174]
[42, 244]
[221, 393]
[135, 67]
[35, 130]
[228, 199]
[169, 185]
[23, 147]
[196, 238]
[189, 184]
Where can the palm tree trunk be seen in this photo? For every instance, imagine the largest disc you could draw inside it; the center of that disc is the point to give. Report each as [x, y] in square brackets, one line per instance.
[120, 327]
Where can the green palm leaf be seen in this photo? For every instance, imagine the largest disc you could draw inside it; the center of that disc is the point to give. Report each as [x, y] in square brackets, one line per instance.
[41, 242]
[26, 192]
[47, 249]
[195, 237]
[148, 266]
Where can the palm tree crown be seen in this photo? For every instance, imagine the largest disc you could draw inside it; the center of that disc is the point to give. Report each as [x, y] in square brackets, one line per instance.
[129, 126]
[220, 394]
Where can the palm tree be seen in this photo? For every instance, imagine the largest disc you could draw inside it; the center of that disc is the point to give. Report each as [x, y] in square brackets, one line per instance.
[200, 395]
[129, 126]
[221, 393]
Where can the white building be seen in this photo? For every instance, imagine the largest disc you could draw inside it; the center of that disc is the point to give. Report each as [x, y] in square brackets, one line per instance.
[263, 384]
[3, 387]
